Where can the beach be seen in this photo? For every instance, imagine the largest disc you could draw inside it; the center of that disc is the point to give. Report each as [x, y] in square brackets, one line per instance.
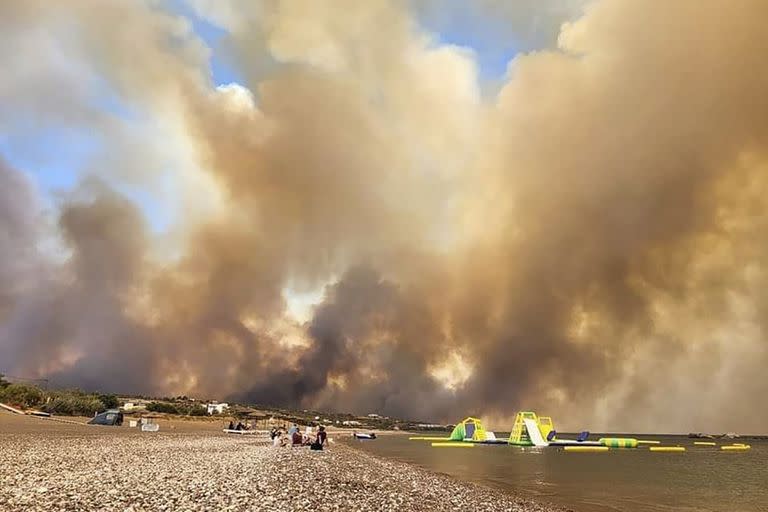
[48, 465]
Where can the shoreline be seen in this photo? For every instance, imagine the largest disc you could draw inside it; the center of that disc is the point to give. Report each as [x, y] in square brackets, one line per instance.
[48, 465]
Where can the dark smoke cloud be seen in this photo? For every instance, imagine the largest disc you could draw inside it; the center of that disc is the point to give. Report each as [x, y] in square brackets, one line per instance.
[17, 236]
[72, 324]
[589, 243]
[368, 352]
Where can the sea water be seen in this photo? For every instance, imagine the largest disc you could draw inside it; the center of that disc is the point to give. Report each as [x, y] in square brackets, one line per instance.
[702, 479]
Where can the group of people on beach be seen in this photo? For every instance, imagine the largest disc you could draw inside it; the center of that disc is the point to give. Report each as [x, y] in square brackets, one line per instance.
[240, 426]
[294, 437]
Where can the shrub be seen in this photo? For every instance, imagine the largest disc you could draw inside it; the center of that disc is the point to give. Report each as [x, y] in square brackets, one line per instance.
[3, 383]
[197, 410]
[109, 401]
[73, 403]
[162, 407]
[22, 395]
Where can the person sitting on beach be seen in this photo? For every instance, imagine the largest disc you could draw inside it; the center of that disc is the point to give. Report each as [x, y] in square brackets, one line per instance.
[231, 426]
[296, 438]
[320, 440]
[294, 428]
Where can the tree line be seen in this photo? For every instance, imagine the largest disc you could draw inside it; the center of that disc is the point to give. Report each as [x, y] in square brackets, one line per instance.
[67, 402]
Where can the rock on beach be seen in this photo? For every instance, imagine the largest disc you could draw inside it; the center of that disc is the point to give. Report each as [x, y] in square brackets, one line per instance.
[72, 468]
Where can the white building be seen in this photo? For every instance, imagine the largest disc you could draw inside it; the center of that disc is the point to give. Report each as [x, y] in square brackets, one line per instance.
[351, 423]
[216, 408]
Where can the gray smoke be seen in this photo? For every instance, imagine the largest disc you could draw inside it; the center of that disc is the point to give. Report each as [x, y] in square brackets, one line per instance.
[588, 243]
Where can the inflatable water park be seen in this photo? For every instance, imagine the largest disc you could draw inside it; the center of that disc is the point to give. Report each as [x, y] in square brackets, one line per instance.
[532, 430]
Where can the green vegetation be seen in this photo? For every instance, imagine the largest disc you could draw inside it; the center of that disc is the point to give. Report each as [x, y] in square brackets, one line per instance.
[163, 407]
[22, 395]
[109, 401]
[80, 403]
[197, 410]
[71, 402]
[186, 409]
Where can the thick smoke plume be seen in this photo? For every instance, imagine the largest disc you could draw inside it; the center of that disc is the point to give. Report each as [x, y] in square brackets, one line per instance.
[589, 241]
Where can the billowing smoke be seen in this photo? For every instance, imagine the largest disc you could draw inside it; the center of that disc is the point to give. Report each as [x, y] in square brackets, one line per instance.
[587, 241]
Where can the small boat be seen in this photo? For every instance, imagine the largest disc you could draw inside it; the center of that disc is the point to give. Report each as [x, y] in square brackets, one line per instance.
[358, 435]
[40, 414]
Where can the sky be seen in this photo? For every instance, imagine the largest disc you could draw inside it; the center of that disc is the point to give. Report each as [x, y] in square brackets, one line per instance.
[423, 208]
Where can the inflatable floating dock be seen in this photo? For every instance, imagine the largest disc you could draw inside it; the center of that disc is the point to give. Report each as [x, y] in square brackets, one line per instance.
[537, 431]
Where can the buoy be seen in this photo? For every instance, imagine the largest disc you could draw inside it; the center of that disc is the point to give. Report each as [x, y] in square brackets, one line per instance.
[586, 448]
[667, 448]
[459, 444]
[704, 443]
[647, 441]
[736, 447]
[618, 442]
[428, 438]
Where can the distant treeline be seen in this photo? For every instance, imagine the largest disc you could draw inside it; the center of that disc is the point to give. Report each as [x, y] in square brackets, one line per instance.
[69, 402]
[74, 402]
[176, 408]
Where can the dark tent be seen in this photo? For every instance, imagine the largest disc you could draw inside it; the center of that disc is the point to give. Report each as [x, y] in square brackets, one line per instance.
[110, 417]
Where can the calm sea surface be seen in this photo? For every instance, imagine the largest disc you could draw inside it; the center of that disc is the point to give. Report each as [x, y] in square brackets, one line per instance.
[632, 480]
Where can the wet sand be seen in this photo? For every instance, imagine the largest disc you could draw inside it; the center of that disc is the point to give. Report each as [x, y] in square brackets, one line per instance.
[47, 465]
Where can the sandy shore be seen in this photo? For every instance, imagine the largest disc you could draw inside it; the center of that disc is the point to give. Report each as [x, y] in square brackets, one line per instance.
[46, 465]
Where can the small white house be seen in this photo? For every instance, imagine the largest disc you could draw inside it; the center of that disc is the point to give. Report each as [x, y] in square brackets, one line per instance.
[350, 423]
[216, 408]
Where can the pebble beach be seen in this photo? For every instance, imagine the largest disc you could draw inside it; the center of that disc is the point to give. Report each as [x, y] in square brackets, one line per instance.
[52, 466]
